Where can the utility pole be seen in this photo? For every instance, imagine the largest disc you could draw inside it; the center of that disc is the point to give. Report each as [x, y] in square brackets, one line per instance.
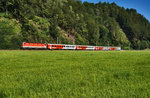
[74, 41]
[108, 43]
[57, 40]
[120, 39]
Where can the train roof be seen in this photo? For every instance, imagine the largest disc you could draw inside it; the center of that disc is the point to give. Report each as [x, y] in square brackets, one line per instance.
[82, 45]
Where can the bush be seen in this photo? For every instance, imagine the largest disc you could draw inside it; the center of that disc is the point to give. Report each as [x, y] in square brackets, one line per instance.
[9, 31]
[143, 45]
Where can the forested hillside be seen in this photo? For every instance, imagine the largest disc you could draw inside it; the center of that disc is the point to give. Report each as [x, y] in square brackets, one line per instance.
[71, 21]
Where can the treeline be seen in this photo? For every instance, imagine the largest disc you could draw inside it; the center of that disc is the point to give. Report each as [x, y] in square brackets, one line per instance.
[72, 22]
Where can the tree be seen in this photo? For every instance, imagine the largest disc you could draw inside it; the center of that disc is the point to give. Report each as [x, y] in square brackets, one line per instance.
[9, 34]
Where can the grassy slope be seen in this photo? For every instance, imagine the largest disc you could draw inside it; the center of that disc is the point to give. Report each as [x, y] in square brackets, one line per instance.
[74, 73]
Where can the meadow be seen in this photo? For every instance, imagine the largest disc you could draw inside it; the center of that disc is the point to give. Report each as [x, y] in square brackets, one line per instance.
[74, 74]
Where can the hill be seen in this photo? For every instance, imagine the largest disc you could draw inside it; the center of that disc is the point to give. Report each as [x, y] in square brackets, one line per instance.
[72, 22]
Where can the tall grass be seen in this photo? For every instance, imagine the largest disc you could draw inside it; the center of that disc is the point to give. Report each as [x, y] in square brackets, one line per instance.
[74, 74]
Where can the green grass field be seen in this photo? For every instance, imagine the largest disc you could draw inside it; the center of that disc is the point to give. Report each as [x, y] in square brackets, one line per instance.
[76, 74]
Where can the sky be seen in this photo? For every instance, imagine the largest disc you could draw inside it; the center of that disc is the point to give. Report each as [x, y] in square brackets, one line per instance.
[142, 6]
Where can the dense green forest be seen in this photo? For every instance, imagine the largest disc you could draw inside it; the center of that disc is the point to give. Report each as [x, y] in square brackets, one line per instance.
[72, 22]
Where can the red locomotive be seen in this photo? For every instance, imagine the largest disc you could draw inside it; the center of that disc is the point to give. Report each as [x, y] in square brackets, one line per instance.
[25, 45]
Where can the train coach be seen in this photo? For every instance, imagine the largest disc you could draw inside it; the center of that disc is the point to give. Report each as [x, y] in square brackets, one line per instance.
[80, 47]
[66, 47]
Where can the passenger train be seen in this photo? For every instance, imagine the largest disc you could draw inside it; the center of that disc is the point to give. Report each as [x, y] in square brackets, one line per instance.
[26, 45]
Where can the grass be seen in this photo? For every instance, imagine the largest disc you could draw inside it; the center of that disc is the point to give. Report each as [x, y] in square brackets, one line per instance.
[74, 74]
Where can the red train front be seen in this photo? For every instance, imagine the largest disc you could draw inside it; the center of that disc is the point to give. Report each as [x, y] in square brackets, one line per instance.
[26, 45]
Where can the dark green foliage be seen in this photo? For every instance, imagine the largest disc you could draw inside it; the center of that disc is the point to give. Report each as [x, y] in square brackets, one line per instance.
[9, 34]
[72, 20]
[143, 44]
